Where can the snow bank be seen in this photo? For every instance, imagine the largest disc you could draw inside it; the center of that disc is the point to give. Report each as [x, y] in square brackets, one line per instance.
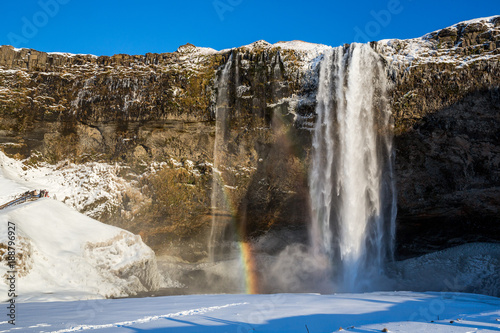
[66, 255]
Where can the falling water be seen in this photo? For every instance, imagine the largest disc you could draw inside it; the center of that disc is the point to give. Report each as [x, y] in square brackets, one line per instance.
[351, 179]
[221, 212]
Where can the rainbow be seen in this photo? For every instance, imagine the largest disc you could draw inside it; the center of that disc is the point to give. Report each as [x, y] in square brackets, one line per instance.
[250, 269]
[250, 275]
[247, 263]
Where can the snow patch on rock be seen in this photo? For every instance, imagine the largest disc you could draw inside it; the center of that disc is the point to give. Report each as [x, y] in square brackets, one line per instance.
[427, 49]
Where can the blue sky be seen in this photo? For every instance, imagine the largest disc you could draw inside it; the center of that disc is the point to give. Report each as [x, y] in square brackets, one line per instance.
[109, 27]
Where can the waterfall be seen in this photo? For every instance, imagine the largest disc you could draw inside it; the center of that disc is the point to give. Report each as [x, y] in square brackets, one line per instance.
[351, 180]
[221, 210]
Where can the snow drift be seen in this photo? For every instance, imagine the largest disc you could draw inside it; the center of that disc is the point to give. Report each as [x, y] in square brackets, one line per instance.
[64, 255]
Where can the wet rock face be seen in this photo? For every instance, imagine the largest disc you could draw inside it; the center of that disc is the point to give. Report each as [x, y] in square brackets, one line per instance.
[142, 110]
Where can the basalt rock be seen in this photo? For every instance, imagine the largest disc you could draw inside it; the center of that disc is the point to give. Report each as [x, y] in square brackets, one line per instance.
[157, 111]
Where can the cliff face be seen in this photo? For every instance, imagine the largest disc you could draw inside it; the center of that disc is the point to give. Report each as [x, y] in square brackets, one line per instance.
[446, 105]
[154, 115]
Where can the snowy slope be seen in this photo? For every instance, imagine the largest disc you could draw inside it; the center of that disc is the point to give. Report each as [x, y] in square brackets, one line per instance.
[67, 256]
[397, 312]
[91, 187]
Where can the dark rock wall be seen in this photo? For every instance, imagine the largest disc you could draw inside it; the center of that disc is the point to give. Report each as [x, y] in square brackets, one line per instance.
[447, 140]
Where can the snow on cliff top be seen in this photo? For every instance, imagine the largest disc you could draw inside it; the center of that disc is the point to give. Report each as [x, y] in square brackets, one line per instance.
[310, 53]
[416, 46]
[309, 50]
[67, 54]
[488, 21]
[425, 49]
[64, 54]
[192, 49]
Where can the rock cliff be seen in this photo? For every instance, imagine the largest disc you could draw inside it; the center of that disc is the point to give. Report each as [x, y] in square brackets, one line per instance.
[446, 104]
[153, 116]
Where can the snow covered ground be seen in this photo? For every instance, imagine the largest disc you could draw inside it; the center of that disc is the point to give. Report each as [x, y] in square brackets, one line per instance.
[373, 312]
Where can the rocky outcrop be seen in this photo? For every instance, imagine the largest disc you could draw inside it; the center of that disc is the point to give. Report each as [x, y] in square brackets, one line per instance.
[157, 112]
[51, 102]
